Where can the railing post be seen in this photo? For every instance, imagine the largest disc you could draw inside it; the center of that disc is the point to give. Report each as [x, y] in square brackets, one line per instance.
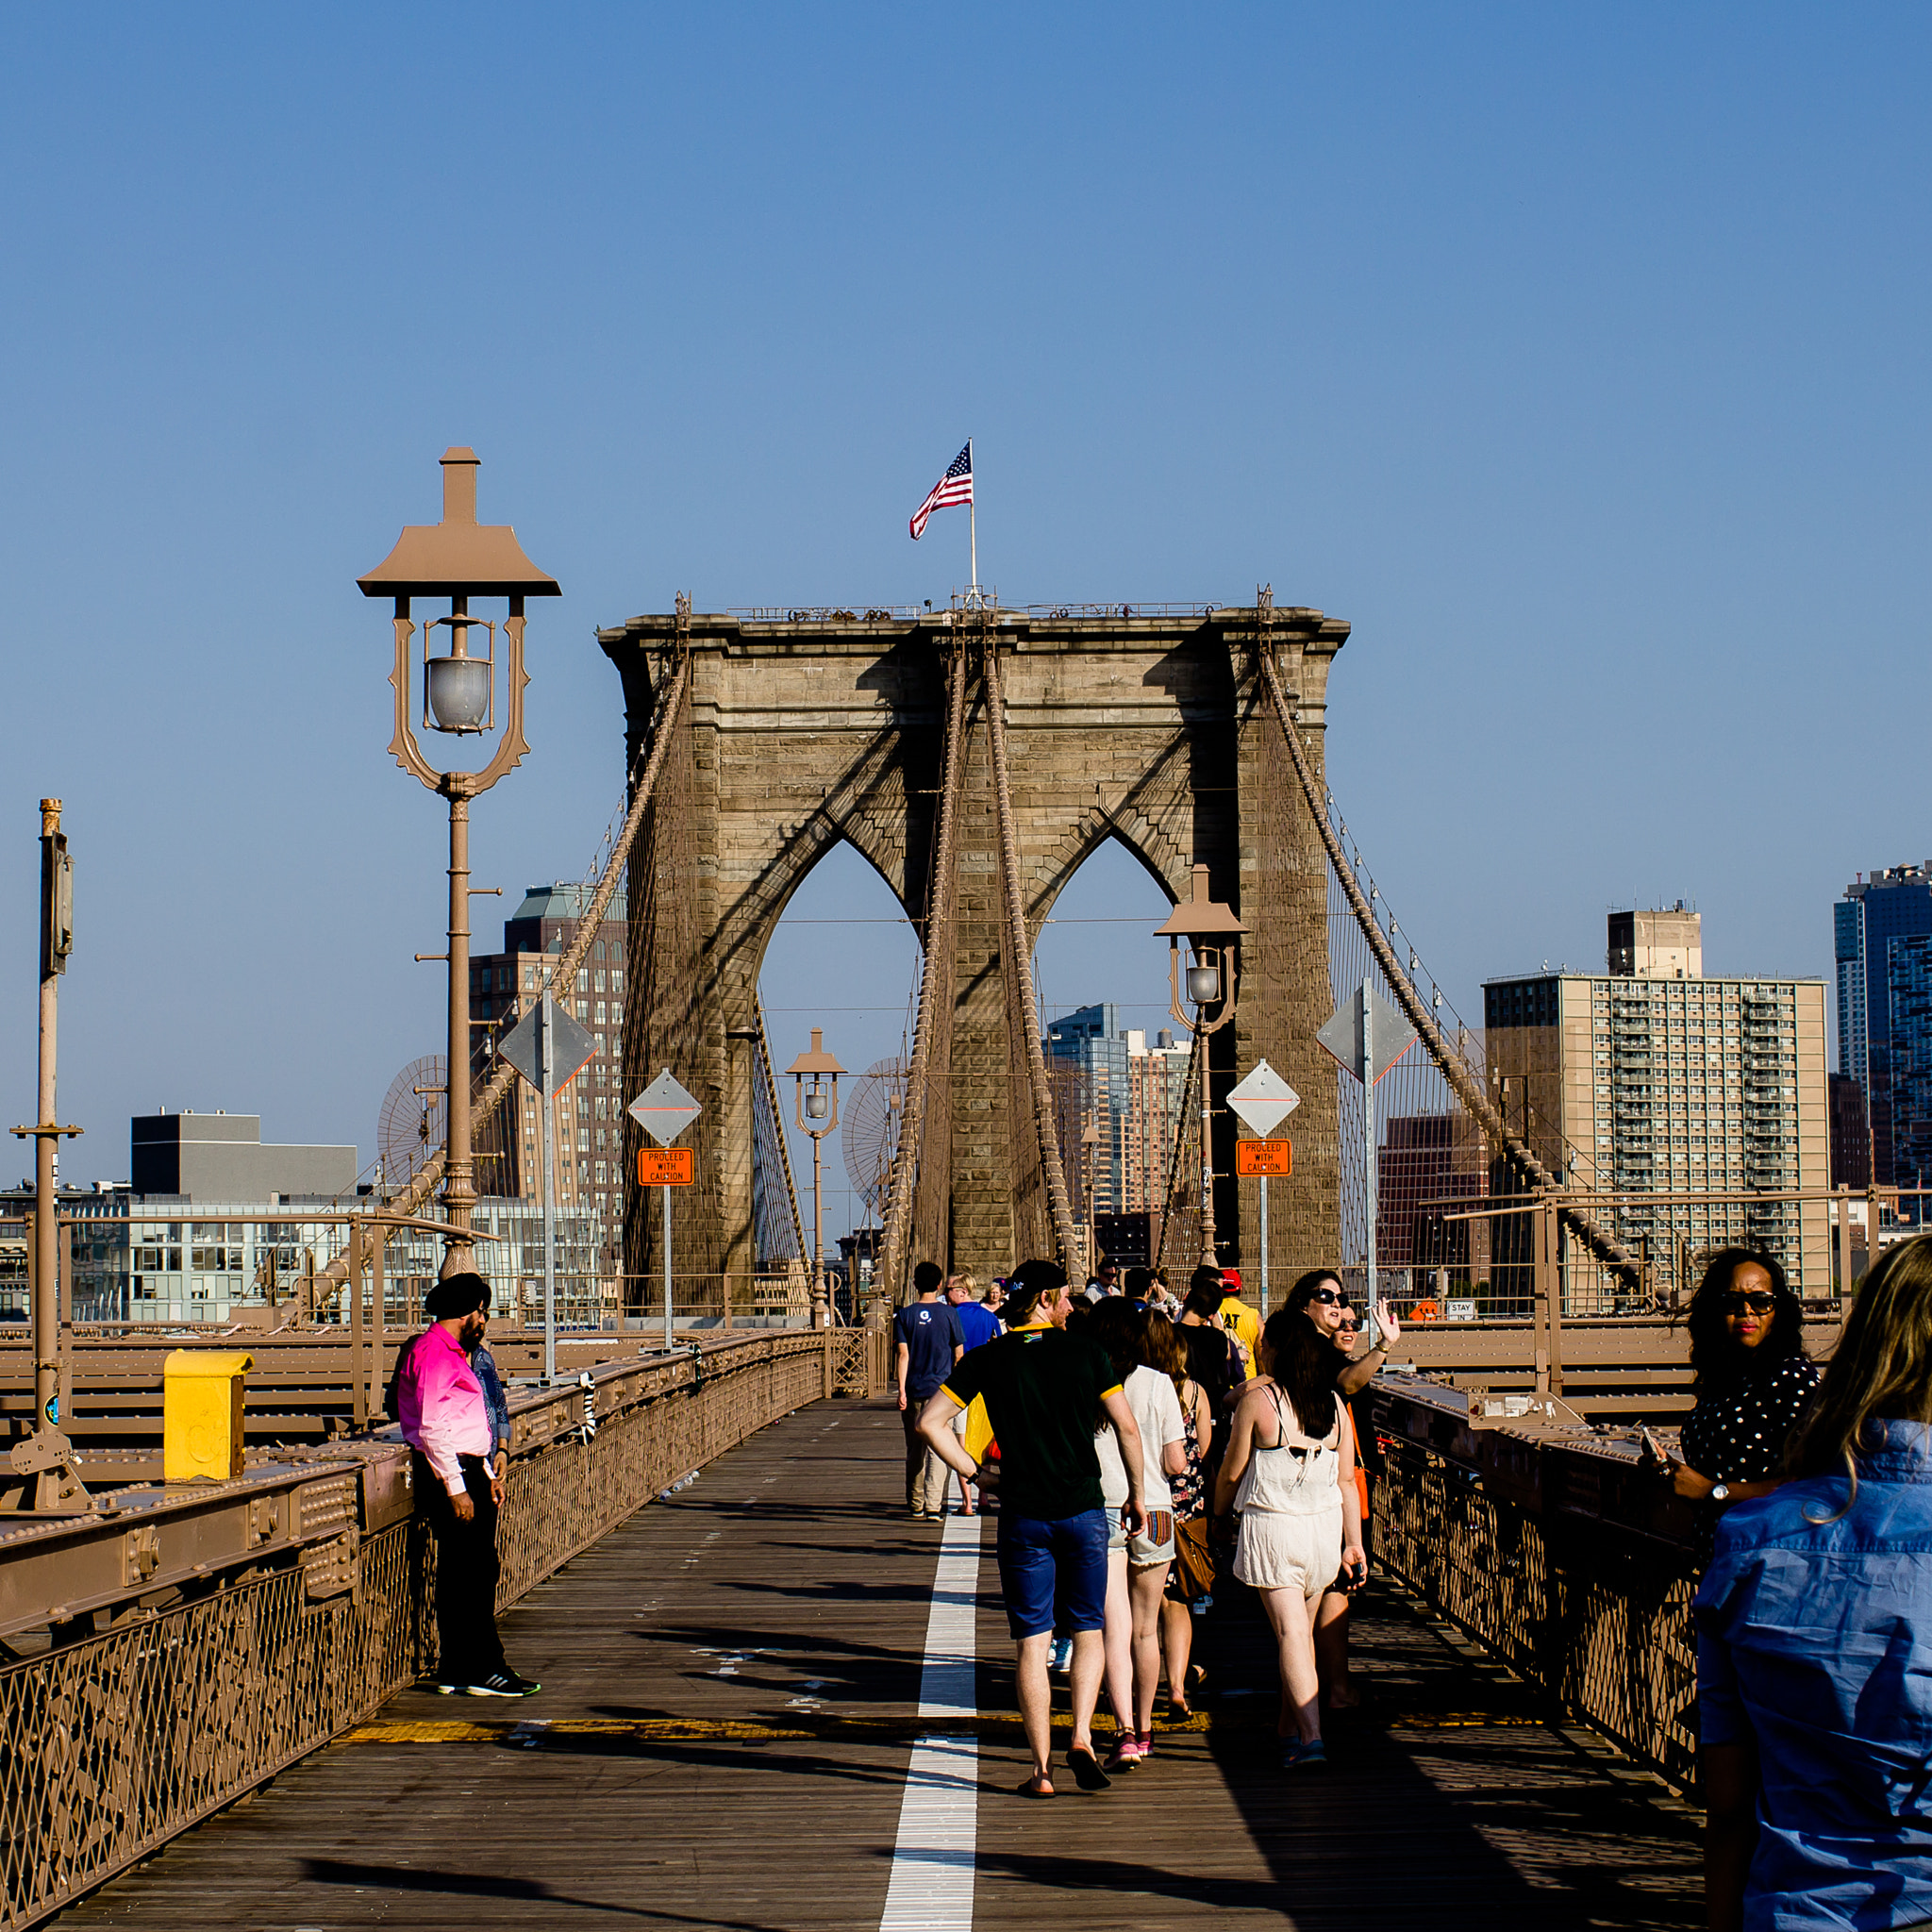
[1549, 1290]
[358, 1382]
[825, 1336]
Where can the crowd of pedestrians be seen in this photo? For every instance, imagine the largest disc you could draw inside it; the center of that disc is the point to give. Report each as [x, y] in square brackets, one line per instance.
[1154, 1451]
[1155, 1447]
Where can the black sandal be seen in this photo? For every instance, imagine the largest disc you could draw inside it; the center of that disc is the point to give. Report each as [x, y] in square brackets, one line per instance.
[1086, 1768]
[1027, 1787]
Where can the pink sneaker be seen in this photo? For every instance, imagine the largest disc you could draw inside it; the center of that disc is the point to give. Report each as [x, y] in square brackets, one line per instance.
[1128, 1753]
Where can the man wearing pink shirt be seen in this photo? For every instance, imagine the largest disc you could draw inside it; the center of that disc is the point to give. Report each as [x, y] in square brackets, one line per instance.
[446, 1422]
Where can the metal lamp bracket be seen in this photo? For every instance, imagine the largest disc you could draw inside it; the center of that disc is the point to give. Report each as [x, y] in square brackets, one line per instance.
[514, 745]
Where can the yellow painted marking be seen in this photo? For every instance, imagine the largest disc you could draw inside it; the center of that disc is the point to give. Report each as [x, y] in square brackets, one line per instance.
[751, 1730]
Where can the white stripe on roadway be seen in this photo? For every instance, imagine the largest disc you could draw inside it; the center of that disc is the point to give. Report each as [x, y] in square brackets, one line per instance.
[931, 1888]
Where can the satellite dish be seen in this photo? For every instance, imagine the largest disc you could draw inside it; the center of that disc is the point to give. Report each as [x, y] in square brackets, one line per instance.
[414, 1121]
[869, 1127]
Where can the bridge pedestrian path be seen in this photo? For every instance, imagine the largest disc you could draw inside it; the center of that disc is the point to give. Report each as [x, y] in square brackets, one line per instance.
[760, 1713]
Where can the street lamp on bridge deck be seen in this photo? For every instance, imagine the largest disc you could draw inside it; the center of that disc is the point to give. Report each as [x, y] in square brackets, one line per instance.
[815, 1112]
[459, 558]
[1213, 936]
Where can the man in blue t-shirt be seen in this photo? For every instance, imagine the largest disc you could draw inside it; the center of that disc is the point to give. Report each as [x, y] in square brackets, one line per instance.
[927, 1341]
[978, 1324]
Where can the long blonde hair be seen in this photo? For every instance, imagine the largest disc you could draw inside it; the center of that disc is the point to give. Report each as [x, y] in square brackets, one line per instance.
[1881, 1369]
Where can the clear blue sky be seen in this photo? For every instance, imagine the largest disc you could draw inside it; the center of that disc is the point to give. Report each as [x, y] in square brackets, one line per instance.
[1576, 355]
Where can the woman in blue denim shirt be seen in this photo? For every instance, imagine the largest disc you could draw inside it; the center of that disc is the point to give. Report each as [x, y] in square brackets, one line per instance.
[1814, 1646]
[484, 1363]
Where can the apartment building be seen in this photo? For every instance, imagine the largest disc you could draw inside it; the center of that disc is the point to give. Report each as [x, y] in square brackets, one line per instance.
[1882, 947]
[1111, 1074]
[589, 1112]
[1653, 1080]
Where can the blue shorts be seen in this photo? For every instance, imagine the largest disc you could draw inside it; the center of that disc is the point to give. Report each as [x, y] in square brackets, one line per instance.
[1053, 1571]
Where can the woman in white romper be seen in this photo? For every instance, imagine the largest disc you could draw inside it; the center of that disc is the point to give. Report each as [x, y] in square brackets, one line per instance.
[1290, 1473]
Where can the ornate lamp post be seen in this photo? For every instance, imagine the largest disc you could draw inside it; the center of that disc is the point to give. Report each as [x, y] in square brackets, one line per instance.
[1212, 933]
[459, 558]
[815, 1110]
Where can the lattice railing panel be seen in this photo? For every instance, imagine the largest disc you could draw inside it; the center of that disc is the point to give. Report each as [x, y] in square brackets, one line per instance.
[1600, 1620]
[115, 1744]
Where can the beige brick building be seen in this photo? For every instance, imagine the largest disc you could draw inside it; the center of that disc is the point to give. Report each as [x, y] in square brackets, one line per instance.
[1655, 1080]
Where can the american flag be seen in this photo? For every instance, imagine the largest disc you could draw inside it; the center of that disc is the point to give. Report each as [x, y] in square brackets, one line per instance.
[956, 485]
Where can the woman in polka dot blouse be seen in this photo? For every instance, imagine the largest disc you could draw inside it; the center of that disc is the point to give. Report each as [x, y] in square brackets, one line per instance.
[1752, 1380]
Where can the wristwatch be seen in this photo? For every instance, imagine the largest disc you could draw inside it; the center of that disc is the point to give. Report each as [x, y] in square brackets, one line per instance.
[1720, 1493]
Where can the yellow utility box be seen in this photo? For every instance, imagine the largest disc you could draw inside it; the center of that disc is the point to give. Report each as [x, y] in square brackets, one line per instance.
[202, 1394]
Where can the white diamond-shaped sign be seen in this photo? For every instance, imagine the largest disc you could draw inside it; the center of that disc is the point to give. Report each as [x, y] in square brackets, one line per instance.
[664, 1109]
[1342, 1035]
[571, 1046]
[1263, 1100]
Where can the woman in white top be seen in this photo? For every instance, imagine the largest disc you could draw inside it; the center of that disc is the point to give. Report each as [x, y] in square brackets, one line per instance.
[1136, 1565]
[1290, 1472]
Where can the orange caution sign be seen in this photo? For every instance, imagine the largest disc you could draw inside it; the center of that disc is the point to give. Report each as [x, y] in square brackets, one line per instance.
[1272, 1161]
[667, 1167]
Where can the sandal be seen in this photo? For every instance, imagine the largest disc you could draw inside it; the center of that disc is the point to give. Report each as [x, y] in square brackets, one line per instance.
[1179, 1711]
[1086, 1768]
[1031, 1787]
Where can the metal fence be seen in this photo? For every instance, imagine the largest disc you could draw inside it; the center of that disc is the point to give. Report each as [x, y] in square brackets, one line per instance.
[1597, 1618]
[113, 1745]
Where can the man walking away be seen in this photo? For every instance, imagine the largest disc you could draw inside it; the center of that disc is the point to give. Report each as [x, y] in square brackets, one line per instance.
[446, 1421]
[928, 1343]
[1043, 1390]
[1239, 1319]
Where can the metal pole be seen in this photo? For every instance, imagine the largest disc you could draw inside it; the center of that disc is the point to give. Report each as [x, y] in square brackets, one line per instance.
[546, 1075]
[1208, 1259]
[458, 1196]
[1368, 1141]
[667, 1336]
[818, 1237]
[972, 520]
[1264, 1244]
[46, 1232]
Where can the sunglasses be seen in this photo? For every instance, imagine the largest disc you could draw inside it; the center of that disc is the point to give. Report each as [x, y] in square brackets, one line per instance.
[1351, 1327]
[1757, 1303]
[1329, 1298]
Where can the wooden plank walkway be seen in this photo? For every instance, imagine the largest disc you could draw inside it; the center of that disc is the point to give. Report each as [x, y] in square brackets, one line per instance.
[732, 1685]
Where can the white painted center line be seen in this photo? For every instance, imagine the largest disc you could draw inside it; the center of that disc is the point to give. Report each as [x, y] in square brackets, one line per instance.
[931, 1886]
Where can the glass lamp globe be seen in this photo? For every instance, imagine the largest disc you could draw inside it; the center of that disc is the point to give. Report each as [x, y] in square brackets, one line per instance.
[1204, 985]
[458, 692]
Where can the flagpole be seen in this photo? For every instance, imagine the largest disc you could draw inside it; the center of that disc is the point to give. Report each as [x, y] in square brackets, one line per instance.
[972, 521]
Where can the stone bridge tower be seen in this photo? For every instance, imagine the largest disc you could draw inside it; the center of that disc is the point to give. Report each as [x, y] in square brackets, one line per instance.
[806, 728]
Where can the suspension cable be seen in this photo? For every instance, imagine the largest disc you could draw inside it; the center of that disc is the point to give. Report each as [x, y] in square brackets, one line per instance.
[939, 921]
[1023, 968]
[1455, 1069]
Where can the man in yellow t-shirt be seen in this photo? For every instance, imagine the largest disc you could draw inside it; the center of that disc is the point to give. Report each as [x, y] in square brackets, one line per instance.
[1239, 1319]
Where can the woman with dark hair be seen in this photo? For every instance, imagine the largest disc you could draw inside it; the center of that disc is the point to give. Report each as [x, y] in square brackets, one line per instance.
[1319, 1295]
[1290, 1474]
[1752, 1381]
[1814, 1647]
[1137, 1561]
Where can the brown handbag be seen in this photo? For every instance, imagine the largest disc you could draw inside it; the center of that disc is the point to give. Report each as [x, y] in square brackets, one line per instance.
[1193, 1560]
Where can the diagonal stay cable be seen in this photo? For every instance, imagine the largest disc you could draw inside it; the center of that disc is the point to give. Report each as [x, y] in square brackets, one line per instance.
[424, 1182]
[1455, 1069]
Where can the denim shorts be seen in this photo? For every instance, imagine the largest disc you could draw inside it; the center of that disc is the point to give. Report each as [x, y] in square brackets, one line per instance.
[1053, 1571]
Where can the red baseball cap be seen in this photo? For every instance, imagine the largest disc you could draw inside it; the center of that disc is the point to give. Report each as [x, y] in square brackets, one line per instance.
[1231, 1277]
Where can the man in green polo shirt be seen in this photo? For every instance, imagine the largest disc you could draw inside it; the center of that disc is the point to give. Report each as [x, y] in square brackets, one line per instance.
[1046, 1391]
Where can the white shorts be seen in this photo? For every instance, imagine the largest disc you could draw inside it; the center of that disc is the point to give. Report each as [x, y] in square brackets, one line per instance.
[1275, 1551]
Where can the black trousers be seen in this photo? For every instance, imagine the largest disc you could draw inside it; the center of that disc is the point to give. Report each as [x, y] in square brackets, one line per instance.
[468, 1647]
